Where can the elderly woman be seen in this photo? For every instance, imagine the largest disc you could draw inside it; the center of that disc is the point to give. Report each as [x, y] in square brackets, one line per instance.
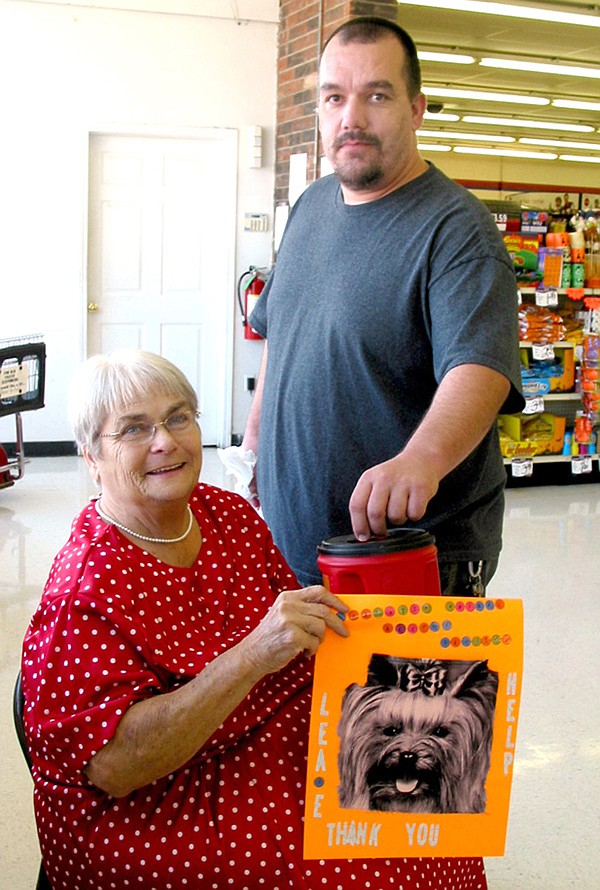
[167, 669]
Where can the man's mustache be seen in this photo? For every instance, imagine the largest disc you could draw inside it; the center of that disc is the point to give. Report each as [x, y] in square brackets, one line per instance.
[356, 136]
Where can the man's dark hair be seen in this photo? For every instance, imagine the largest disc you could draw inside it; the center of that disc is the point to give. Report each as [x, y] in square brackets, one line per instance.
[370, 29]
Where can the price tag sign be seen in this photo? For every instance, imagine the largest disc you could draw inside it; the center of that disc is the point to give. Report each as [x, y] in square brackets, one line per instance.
[581, 463]
[542, 351]
[534, 406]
[13, 381]
[546, 296]
[521, 467]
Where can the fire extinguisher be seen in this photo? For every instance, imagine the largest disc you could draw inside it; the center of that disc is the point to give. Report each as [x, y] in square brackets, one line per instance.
[251, 283]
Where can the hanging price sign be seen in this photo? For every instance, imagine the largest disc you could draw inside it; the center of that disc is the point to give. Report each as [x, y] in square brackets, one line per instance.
[521, 468]
[534, 406]
[546, 296]
[542, 351]
[581, 463]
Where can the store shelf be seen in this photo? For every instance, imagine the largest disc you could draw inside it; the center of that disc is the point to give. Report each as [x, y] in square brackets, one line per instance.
[589, 291]
[560, 344]
[550, 458]
[562, 397]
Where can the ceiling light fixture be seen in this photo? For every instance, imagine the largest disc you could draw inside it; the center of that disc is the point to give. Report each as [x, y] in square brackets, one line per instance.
[485, 96]
[540, 67]
[440, 116]
[510, 10]
[452, 58]
[434, 147]
[561, 143]
[505, 152]
[475, 137]
[576, 103]
[584, 158]
[534, 125]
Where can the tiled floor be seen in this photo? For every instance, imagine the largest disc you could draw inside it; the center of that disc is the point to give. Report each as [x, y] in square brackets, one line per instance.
[551, 560]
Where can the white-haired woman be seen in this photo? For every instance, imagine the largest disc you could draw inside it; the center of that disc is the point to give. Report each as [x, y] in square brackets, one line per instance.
[166, 671]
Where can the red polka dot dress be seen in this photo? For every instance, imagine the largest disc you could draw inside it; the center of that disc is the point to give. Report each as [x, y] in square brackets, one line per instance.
[116, 625]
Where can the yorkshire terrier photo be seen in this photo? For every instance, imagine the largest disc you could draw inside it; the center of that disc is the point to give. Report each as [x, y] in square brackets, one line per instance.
[417, 737]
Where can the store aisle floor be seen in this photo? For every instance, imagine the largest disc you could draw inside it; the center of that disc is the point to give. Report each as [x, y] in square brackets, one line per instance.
[551, 560]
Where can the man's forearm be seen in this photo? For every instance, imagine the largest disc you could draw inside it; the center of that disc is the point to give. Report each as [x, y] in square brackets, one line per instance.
[250, 440]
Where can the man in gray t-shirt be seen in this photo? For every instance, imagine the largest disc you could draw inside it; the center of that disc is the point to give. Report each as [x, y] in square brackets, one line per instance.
[391, 318]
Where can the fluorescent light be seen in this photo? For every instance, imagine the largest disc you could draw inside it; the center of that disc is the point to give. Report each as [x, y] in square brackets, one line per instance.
[434, 147]
[576, 103]
[584, 158]
[561, 143]
[452, 58]
[541, 67]
[440, 116]
[485, 96]
[476, 137]
[535, 125]
[519, 12]
[505, 152]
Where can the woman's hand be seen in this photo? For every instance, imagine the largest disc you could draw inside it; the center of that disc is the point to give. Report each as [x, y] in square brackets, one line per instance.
[159, 734]
[295, 623]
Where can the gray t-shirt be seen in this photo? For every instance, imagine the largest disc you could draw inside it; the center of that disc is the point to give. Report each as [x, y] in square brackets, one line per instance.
[366, 310]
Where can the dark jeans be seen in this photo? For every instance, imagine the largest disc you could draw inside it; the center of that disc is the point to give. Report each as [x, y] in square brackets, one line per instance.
[466, 578]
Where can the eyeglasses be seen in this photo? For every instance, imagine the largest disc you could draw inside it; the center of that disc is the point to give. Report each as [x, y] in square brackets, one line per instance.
[141, 432]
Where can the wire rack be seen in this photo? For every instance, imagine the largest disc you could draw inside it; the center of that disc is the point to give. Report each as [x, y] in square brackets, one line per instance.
[22, 383]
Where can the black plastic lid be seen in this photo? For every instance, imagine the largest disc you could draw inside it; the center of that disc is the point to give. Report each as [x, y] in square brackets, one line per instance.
[396, 540]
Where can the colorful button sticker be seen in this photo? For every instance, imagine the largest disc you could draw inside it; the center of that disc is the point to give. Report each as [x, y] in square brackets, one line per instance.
[423, 627]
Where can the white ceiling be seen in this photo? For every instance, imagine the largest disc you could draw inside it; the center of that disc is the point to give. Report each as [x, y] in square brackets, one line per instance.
[526, 40]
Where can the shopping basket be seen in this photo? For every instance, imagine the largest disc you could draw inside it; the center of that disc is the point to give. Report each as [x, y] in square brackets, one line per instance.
[22, 380]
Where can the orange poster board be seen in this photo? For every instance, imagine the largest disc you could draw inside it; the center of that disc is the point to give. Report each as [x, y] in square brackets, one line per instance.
[413, 729]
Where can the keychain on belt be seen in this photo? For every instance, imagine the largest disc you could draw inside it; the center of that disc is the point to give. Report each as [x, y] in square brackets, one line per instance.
[475, 579]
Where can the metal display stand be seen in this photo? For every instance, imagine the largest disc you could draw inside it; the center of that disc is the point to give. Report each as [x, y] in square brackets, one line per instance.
[22, 381]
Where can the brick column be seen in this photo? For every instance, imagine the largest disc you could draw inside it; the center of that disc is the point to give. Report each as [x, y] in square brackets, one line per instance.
[303, 27]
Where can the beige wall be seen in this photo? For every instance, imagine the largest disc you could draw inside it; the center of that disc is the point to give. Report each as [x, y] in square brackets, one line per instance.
[67, 70]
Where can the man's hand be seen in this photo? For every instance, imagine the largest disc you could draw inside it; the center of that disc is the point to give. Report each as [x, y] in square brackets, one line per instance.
[462, 411]
[391, 493]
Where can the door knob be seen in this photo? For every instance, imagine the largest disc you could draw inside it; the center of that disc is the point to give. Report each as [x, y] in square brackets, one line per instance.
[92, 307]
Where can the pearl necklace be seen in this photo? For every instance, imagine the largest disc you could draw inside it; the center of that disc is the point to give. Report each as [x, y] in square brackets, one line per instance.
[124, 528]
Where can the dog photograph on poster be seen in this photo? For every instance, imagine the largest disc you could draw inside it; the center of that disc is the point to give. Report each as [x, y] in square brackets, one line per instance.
[417, 736]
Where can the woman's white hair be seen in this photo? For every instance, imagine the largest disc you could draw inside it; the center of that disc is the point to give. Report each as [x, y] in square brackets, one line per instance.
[105, 384]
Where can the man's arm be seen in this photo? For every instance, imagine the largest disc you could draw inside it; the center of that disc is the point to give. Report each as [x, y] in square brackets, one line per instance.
[250, 440]
[461, 413]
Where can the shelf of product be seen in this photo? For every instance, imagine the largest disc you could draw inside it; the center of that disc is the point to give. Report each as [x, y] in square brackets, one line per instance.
[554, 426]
[557, 267]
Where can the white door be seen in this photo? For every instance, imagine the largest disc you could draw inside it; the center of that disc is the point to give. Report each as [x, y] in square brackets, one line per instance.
[160, 257]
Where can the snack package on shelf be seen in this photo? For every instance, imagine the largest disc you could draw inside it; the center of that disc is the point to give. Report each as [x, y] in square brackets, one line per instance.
[537, 324]
[528, 436]
[523, 251]
[541, 376]
[590, 377]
